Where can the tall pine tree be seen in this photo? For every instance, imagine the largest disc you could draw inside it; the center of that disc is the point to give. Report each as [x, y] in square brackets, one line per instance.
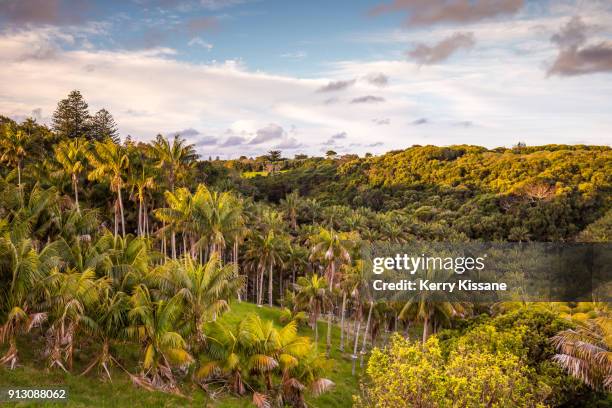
[103, 126]
[71, 118]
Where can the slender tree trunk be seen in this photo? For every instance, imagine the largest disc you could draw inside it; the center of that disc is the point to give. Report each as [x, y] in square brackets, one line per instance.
[425, 328]
[259, 283]
[270, 284]
[76, 192]
[116, 219]
[280, 285]
[365, 334]
[184, 246]
[333, 272]
[121, 211]
[329, 329]
[173, 243]
[316, 329]
[342, 310]
[164, 246]
[19, 182]
[140, 214]
[354, 355]
[236, 270]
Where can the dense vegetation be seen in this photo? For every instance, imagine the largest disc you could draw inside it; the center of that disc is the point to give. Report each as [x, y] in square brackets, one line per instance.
[124, 259]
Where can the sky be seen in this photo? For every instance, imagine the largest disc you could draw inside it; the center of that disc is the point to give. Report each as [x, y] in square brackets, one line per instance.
[241, 77]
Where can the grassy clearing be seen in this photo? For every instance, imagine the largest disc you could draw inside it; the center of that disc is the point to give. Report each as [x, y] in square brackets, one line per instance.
[89, 391]
[252, 174]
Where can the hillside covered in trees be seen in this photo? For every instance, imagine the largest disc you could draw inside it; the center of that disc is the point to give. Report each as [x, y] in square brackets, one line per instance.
[241, 281]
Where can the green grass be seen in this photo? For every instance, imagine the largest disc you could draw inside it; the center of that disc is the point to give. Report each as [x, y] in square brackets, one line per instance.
[252, 174]
[89, 391]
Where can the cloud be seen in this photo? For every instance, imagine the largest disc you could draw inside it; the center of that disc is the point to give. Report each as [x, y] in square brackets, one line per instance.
[575, 57]
[464, 123]
[420, 121]
[428, 12]
[378, 79]
[200, 42]
[199, 24]
[289, 143]
[220, 4]
[297, 55]
[426, 55]
[206, 141]
[368, 99]
[39, 12]
[334, 139]
[380, 122]
[190, 132]
[233, 141]
[377, 144]
[331, 101]
[336, 86]
[270, 132]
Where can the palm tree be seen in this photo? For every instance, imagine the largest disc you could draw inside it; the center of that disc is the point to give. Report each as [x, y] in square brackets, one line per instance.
[173, 159]
[205, 289]
[106, 324]
[290, 205]
[256, 347]
[70, 154]
[21, 292]
[128, 257]
[586, 352]
[177, 216]
[141, 184]
[353, 283]
[425, 308]
[265, 251]
[154, 325]
[109, 162]
[331, 247]
[313, 295]
[13, 149]
[218, 217]
[70, 295]
[296, 259]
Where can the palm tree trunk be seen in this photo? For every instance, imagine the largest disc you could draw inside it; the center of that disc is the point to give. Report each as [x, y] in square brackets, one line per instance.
[270, 285]
[121, 211]
[140, 226]
[354, 355]
[329, 329]
[76, 192]
[164, 246]
[316, 329]
[333, 272]
[425, 328]
[365, 334]
[173, 243]
[19, 182]
[116, 219]
[259, 284]
[342, 320]
[280, 285]
[236, 270]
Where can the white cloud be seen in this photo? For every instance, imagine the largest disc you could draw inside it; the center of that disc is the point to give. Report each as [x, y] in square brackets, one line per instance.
[200, 42]
[503, 91]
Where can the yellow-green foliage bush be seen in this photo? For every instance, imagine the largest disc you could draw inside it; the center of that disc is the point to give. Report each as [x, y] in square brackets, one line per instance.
[476, 373]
